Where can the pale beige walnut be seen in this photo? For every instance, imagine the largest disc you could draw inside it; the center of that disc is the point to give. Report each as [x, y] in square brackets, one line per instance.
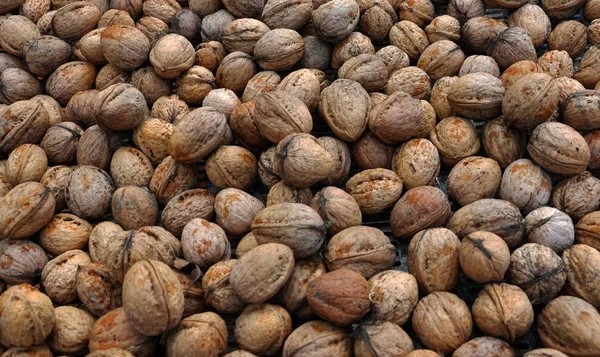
[337, 208]
[262, 328]
[478, 63]
[382, 338]
[55, 112]
[25, 209]
[27, 316]
[487, 346]
[21, 261]
[152, 297]
[368, 70]
[202, 334]
[474, 178]
[193, 86]
[259, 274]
[241, 35]
[394, 58]
[442, 321]
[152, 138]
[245, 245]
[304, 85]
[420, 208]
[412, 80]
[510, 46]
[444, 27]
[577, 195]
[56, 179]
[235, 210]
[115, 17]
[150, 84]
[130, 167]
[190, 204]
[283, 193]
[204, 243]
[71, 331]
[125, 47]
[557, 64]
[417, 163]
[224, 100]
[334, 20]
[111, 352]
[59, 276]
[530, 101]
[89, 192]
[26, 163]
[344, 106]
[172, 55]
[441, 59]
[394, 295]
[579, 110]
[318, 338]
[532, 18]
[97, 290]
[570, 36]
[526, 185]
[169, 108]
[291, 14]
[375, 190]
[65, 232]
[89, 47]
[376, 19]
[219, 293]
[439, 96]
[134, 207]
[484, 257]
[301, 161]
[279, 49]
[550, 227]
[586, 230]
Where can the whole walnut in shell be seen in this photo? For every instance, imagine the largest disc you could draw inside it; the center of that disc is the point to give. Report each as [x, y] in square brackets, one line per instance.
[71, 331]
[511, 45]
[218, 291]
[585, 230]
[488, 346]
[576, 195]
[382, 338]
[89, 47]
[502, 142]
[474, 178]
[353, 45]
[316, 338]
[570, 36]
[125, 47]
[60, 143]
[247, 243]
[293, 294]
[317, 53]
[264, 81]
[303, 84]
[71, 22]
[417, 163]
[368, 70]
[301, 161]
[376, 19]
[56, 179]
[279, 49]
[162, 9]
[152, 297]
[59, 276]
[130, 167]
[394, 295]
[503, 310]
[476, 96]
[518, 70]
[182, 208]
[556, 64]
[442, 246]
[27, 316]
[444, 27]
[582, 265]
[22, 122]
[262, 328]
[120, 107]
[203, 334]
[412, 80]
[409, 37]
[15, 32]
[530, 101]
[455, 138]
[479, 30]
[259, 274]
[442, 321]
[81, 109]
[18, 84]
[70, 78]
[420, 208]
[439, 96]
[25, 209]
[214, 24]
[394, 58]
[171, 55]
[150, 84]
[93, 148]
[232, 166]
[441, 59]
[550, 227]
[334, 20]
[89, 192]
[538, 271]
[134, 207]
[526, 185]
[278, 114]
[587, 72]
[169, 109]
[209, 55]
[26, 163]
[534, 20]
[375, 190]
[371, 153]
[344, 105]
[194, 85]
[484, 249]
[338, 209]
[479, 63]
[204, 243]
[65, 232]
[21, 261]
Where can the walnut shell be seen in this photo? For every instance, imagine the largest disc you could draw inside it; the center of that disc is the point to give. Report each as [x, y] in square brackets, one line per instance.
[353, 45]
[479, 30]
[544, 352]
[232, 166]
[172, 55]
[16, 31]
[581, 265]
[382, 338]
[18, 84]
[56, 179]
[444, 27]
[409, 37]
[439, 96]
[26, 163]
[65, 232]
[89, 192]
[496, 216]
[182, 208]
[587, 73]
[89, 47]
[464, 10]
[550, 227]
[278, 114]
[204, 243]
[125, 47]
[120, 107]
[502, 143]
[394, 295]
[484, 249]
[150, 84]
[411, 80]
[152, 297]
[442, 321]
[316, 338]
[115, 17]
[478, 63]
[130, 167]
[557, 64]
[70, 78]
[420, 208]
[235, 211]
[576, 195]
[510, 46]
[317, 53]
[204, 333]
[375, 190]
[279, 49]
[283, 193]
[262, 328]
[533, 19]
[301, 161]
[259, 274]
[579, 111]
[368, 70]
[60, 143]
[334, 20]
[585, 230]
[488, 346]
[93, 149]
[28, 202]
[21, 261]
[59, 276]
[169, 109]
[394, 58]
[570, 36]
[44, 54]
[152, 27]
[474, 178]
[194, 85]
[530, 101]
[287, 14]
[210, 54]
[293, 294]
[455, 138]
[109, 75]
[71, 22]
[245, 245]
[219, 293]
[377, 18]
[476, 96]
[134, 207]
[526, 185]
[71, 331]
[441, 59]
[338, 209]
[344, 106]
[371, 153]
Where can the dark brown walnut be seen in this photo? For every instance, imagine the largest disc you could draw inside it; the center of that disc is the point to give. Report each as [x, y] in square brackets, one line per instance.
[501, 142]
[420, 208]
[417, 163]
[81, 108]
[259, 274]
[409, 37]
[71, 22]
[580, 110]
[293, 224]
[344, 106]
[444, 27]
[10, 5]
[592, 139]
[283, 193]
[263, 328]
[209, 55]
[593, 32]
[504, 311]
[518, 70]
[570, 36]
[56, 179]
[182, 208]
[582, 265]
[538, 271]
[394, 58]
[324, 292]
[193, 86]
[279, 49]
[526, 185]
[411, 80]
[59, 276]
[464, 10]
[278, 114]
[26, 208]
[496, 216]
[441, 59]
[353, 45]
[89, 47]
[487, 346]
[218, 291]
[530, 101]
[439, 96]
[42, 55]
[484, 257]
[204, 243]
[587, 73]
[109, 75]
[301, 161]
[478, 31]
[22, 122]
[232, 166]
[392, 125]
[337, 208]
[115, 17]
[134, 207]
[370, 153]
[213, 25]
[71, 330]
[375, 190]
[394, 295]
[569, 324]
[317, 53]
[557, 64]
[376, 19]
[264, 81]
[510, 46]
[113, 330]
[27, 316]
[63, 233]
[120, 107]
[287, 14]
[474, 178]
[150, 84]
[16, 31]
[18, 84]
[365, 250]
[479, 63]
[455, 138]
[162, 9]
[442, 321]
[21, 261]
[187, 23]
[129, 166]
[293, 294]
[577, 195]
[266, 167]
[552, 143]
[197, 134]
[544, 352]
[318, 338]
[89, 192]
[439, 245]
[382, 338]
[235, 210]
[125, 47]
[70, 78]
[533, 19]
[241, 35]
[93, 149]
[335, 20]
[476, 96]
[550, 227]
[26, 163]
[368, 70]
[562, 9]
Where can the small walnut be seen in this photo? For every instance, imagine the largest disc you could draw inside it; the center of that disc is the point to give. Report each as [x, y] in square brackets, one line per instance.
[439, 97]
[194, 85]
[474, 178]
[420, 208]
[213, 25]
[587, 73]
[204, 243]
[115, 17]
[557, 64]
[210, 54]
[534, 20]
[89, 192]
[526, 185]
[129, 166]
[530, 101]
[25, 209]
[283, 193]
[262, 328]
[394, 295]
[162, 9]
[247, 243]
[265, 81]
[218, 291]
[232, 166]
[187, 205]
[338, 209]
[152, 27]
[394, 58]
[70, 78]
[370, 153]
[335, 20]
[478, 31]
[456, 139]
[56, 179]
[464, 10]
[235, 210]
[376, 19]
[484, 257]
[120, 107]
[18, 84]
[443, 27]
[318, 338]
[60, 143]
[518, 70]
[476, 96]
[488, 346]
[168, 109]
[580, 110]
[204, 334]
[59, 277]
[409, 37]
[442, 321]
[344, 106]
[538, 271]
[411, 80]
[502, 143]
[375, 190]
[89, 47]
[150, 84]
[134, 207]
[26, 163]
[417, 163]
[125, 47]
[441, 59]
[21, 261]
[510, 46]
[266, 167]
[550, 227]
[71, 331]
[109, 75]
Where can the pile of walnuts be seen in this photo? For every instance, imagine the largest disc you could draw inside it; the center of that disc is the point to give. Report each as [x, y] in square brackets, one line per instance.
[189, 178]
